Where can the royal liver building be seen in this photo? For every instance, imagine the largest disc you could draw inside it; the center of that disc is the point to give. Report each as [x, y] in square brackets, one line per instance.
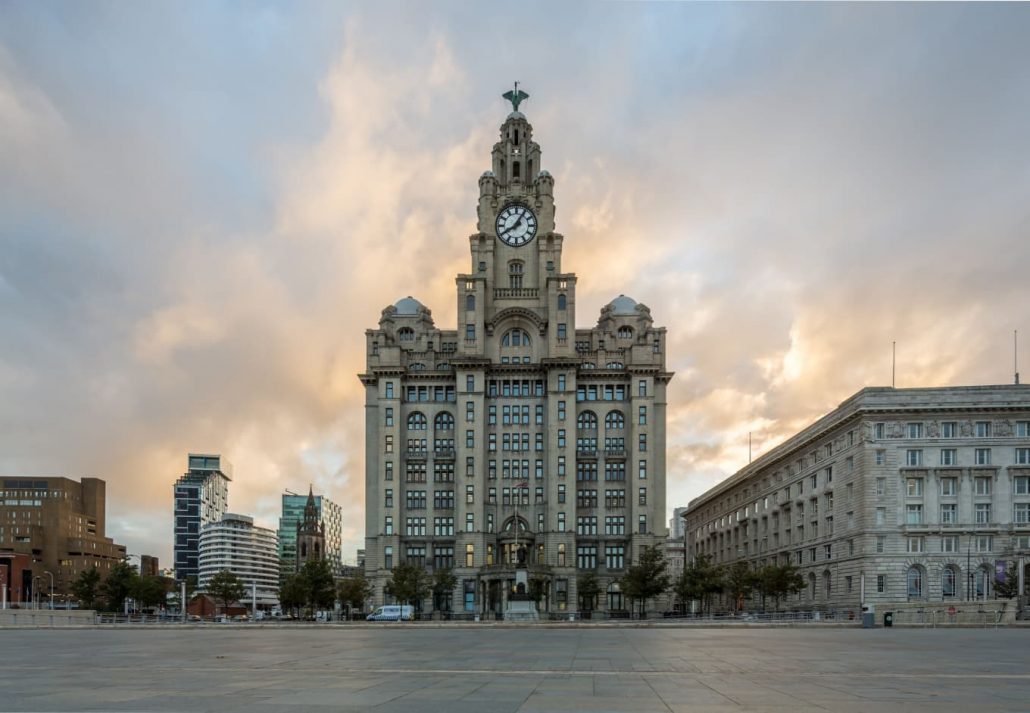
[515, 430]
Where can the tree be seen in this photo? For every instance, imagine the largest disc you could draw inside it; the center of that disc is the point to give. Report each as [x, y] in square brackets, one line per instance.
[118, 585]
[319, 586]
[443, 585]
[86, 588]
[408, 584]
[225, 587]
[740, 582]
[778, 581]
[699, 581]
[292, 593]
[149, 592]
[355, 591]
[587, 589]
[1007, 588]
[647, 578]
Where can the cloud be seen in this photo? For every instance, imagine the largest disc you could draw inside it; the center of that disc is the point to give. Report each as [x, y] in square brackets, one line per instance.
[195, 231]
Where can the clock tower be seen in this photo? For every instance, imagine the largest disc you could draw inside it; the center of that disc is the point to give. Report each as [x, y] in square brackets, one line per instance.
[515, 439]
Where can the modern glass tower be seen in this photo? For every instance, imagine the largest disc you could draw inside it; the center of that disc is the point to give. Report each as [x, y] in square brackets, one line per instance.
[201, 497]
[329, 514]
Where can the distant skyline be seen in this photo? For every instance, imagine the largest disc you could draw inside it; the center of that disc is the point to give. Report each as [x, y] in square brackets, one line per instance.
[203, 207]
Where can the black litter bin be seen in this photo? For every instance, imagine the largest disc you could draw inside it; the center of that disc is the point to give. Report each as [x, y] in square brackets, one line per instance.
[888, 618]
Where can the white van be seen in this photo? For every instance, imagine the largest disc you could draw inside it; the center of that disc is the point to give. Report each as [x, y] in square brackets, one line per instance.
[392, 612]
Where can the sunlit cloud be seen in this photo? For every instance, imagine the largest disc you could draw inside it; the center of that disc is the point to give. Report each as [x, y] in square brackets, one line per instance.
[195, 232]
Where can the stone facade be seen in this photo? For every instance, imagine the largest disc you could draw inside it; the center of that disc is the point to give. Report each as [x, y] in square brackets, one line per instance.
[516, 428]
[914, 494]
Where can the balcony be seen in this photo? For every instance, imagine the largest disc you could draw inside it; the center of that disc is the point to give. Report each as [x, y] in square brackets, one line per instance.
[586, 453]
[444, 453]
[516, 293]
[416, 454]
[615, 452]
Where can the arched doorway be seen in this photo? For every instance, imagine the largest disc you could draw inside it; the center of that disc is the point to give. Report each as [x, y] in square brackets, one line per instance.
[915, 580]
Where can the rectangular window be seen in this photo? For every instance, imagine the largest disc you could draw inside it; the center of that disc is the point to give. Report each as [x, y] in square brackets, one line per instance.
[470, 332]
[982, 456]
[1021, 485]
[562, 331]
[949, 429]
[642, 525]
[949, 544]
[388, 527]
[642, 416]
[881, 517]
[949, 486]
[983, 543]
[561, 437]
[982, 486]
[1023, 456]
[388, 417]
[388, 499]
[881, 544]
[470, 522]
[879, 431]
[913, 457]
[561, 466]
[914, 544]
[642, 387]
[982, 513]
[389, 470]
[881, 583]
[983, 429]
[913, 514]
[949, 514]
[881, 486]
[470, 411]
[388, 558]
[914, 487]
[561, 522]
[642, 496]
[1021, 513]
[561, 492]
[586, 556]
[389, 444]
[1023, 429]
[915, 430]
[642, 470]
[881, 457]
[948, 456]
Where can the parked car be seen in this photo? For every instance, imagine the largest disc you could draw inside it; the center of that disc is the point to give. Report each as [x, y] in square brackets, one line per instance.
[392, 612]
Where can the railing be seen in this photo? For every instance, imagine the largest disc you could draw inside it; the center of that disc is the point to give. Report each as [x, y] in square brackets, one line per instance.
[416, 454]
[516, 293]
[615, 452]
[444, 453]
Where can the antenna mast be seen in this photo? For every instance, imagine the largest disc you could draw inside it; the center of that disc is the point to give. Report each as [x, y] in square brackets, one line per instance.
[1015, 353]
[894, 360]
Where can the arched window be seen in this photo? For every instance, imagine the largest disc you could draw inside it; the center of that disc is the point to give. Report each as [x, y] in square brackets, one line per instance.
[406, 334]
[303, 549]
[416, 366]
[624, 333]
[444, 422]
[614, 421]
[417, 421]
[949, 581]
[827, 584]
[587, 421]
[614, 597]
[588, 365]
[915, 582]
[562, 303]
[615, 365]
[515, 338]
[514, 169]
[470, 303]
[515, 268]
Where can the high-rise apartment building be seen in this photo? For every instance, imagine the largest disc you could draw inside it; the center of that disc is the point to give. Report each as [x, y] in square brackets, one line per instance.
[516, 429]
[201, 496]
[329, 516]
[60, 524]
[912, 495]
[250, 552]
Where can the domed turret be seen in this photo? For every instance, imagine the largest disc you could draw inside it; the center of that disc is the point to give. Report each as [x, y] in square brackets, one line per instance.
[408, 306]
[623, 305]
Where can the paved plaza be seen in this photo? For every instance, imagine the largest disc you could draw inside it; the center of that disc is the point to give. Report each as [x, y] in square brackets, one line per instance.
[453, 669]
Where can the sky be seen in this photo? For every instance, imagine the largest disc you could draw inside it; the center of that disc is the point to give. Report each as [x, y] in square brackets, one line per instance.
[204, 205]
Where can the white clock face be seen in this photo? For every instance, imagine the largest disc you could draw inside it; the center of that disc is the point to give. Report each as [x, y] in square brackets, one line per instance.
[516, 225]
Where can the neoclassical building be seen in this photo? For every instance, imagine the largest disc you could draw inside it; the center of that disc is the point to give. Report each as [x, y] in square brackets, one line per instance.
[515, 428]
[915, 495]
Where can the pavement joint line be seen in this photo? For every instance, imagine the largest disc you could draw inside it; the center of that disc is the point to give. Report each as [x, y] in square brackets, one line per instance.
[560, 672]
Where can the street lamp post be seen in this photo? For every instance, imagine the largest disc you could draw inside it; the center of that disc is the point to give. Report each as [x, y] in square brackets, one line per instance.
[35, 592]
[969, 568]
[51, 589]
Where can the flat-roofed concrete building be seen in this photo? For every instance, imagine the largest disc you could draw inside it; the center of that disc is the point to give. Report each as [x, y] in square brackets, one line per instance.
[60, 524]
[919, 494]
[516, 430]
